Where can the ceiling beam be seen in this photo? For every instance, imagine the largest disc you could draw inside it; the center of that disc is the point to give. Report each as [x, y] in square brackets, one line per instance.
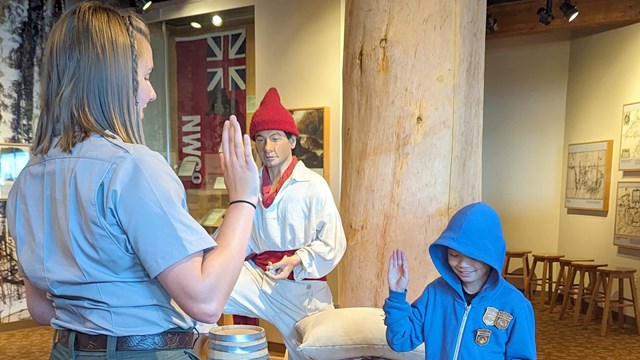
[520, 18]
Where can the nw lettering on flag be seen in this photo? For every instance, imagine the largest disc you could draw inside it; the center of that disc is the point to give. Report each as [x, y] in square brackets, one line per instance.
[211, 76]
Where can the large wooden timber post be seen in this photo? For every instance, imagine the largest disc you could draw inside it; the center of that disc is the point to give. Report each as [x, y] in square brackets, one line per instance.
[412, 134]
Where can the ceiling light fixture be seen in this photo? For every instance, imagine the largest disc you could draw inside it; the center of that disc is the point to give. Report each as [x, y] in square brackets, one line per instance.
[569, 11]
[492, 23]
[196, 25]
[216, 20]
[544, 14]
[143, 5]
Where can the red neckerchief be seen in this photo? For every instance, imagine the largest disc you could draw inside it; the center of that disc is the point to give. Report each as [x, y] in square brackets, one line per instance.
[267, 196]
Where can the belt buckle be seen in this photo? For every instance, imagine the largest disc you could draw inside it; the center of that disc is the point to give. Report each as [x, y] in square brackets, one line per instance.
[161, 341]
[98, 343]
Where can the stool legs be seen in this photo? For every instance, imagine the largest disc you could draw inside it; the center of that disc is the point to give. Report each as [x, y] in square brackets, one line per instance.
[545, 273]
[620, 302]
[595, 297]
[567, 292]
[581, 290]
[532, 283]
[546, 281]
[524, 257]
[525, 277]
[607, 308]
[604, 282]
[636, 304]
[561, 281]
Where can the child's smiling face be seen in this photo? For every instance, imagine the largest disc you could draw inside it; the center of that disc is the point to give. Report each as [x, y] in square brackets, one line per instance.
[472, 273]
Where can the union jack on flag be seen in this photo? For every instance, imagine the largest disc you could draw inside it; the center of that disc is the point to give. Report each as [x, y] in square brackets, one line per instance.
[226, 60]
[211, 81]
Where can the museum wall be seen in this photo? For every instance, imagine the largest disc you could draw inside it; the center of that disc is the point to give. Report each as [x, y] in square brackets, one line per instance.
[299, 51]
[604, 74]
[542, 94]
[524, 112]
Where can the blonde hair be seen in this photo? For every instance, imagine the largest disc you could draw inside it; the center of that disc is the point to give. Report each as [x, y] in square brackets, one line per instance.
[89, 80]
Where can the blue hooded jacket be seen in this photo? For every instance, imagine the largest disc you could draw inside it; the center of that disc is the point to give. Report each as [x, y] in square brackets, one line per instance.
[498, 323]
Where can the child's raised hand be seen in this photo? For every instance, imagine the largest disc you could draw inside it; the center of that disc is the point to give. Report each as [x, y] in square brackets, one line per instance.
[398, 271]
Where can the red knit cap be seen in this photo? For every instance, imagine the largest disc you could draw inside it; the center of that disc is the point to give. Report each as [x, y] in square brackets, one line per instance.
[272, 115]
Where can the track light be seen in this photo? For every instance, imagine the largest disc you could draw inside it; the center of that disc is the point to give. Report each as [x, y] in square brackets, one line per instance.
[492, 23]
[569, 11]
[544, 14]
[216, 20]
[143, 5]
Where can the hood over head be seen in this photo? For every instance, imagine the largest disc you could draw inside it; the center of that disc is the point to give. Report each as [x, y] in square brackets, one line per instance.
[475, 231]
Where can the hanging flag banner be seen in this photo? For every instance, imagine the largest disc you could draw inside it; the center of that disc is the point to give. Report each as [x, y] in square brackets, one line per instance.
[211, 78]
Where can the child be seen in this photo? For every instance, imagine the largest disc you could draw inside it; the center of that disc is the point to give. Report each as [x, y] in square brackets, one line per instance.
[471, 311]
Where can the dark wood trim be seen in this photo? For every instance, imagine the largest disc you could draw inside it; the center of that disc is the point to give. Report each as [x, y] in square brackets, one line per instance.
[520, 18]
[276, 347]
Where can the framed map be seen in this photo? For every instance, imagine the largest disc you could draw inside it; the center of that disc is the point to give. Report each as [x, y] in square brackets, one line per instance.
[588, 175]
[630, 137]
[627, 229]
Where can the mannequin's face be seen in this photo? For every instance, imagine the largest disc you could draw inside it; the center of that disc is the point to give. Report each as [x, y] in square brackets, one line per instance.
[274, 149]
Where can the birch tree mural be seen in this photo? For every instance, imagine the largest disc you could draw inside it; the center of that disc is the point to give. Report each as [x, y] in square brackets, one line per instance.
[24, 27]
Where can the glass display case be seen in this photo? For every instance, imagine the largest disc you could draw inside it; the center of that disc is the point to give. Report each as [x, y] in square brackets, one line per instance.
[203, 74]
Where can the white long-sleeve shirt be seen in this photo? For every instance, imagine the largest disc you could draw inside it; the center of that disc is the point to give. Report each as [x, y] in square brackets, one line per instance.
[303, 216]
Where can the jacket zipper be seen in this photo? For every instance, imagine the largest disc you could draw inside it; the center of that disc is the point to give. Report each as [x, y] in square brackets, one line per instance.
[459, 341]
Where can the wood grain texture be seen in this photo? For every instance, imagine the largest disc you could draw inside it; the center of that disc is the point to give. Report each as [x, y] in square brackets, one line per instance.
[412, 126]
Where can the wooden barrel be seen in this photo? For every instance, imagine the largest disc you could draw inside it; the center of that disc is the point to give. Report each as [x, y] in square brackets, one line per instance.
[237, 342]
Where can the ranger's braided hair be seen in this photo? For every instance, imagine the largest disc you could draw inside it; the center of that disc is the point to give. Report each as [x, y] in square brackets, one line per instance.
[132, 30]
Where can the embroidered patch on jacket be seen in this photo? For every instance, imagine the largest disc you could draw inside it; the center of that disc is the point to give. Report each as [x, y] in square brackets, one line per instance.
[489, 317]
[497, 318]
[482, 336]
[503, 319]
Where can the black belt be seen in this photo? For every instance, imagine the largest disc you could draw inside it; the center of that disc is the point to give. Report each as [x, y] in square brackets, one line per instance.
[161, 341]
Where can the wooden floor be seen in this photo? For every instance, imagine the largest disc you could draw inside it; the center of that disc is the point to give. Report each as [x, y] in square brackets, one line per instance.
[556, 340]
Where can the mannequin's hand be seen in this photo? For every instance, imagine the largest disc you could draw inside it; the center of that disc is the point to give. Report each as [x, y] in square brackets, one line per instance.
[283, 268]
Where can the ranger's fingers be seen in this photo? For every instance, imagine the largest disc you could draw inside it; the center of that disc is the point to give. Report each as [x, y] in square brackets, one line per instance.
[248, 157]
[225, 137]
[237, 137]
[222, 162]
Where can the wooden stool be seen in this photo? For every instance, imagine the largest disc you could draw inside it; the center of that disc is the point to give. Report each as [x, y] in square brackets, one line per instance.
[523, 256]
[546, 280]
[604, 285]
[561, 280]
[581, 290]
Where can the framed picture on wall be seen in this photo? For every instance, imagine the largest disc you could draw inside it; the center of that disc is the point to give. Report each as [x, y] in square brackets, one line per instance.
[627, 228]
[630, 137]
[588, 175]
[313, 144]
